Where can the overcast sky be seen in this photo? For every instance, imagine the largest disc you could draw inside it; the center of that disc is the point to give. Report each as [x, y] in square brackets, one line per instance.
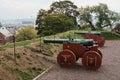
[18, 9]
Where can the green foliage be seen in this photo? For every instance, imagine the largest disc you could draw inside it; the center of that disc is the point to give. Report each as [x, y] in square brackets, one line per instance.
[26, 33]
[85, 17]
[102, 14]
[40, 16]
[56, 23]
[64, 7]
[99, 13]
[58, 18]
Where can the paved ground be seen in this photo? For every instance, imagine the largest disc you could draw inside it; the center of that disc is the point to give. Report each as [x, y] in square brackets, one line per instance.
[110, 69]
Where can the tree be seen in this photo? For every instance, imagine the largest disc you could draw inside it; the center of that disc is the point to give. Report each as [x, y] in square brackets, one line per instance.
[114, 17]
[67, 8]
[85, 16]
[101, 12]
[40, 17]
[55, 23]
[105, 17]
[100, 15]
[26, 33]
[64, 7]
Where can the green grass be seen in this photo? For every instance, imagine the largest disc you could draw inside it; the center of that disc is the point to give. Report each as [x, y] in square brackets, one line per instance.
[21, 43]
[24, 75]
[65, 35]
[110, 36]
[107, 35]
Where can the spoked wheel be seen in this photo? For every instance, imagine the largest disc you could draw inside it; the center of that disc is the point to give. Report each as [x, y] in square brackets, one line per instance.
[91, 60]
[66, 58]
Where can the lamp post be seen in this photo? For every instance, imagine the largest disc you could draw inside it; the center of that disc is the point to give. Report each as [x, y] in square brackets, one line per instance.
[14, 49]
[14, 39]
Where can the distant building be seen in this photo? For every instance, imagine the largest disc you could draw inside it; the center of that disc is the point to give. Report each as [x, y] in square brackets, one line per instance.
[28, 22]
[5, 36]
[12, 29]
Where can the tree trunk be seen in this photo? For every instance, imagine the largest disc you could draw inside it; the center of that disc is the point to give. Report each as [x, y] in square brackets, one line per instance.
[92, 26]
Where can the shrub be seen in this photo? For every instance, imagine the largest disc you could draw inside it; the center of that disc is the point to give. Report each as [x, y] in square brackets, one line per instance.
[26, 33]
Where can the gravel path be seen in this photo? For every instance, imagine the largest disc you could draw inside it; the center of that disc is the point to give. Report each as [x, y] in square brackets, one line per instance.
[110, 69]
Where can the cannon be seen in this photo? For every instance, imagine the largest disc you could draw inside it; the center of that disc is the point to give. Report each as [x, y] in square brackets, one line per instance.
[96, 36]
[73, 49]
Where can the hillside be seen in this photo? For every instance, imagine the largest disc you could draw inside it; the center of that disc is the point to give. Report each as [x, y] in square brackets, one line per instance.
[28, 62]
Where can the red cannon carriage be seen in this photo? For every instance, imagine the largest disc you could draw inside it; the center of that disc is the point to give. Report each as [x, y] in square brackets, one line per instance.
[96, 36]
[73, 49]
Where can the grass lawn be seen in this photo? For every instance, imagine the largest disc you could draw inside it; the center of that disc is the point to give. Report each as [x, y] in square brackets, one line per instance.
[111, 36]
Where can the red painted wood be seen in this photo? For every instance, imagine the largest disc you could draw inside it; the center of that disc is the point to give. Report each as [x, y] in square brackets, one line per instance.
[91, 60]
[100, 40]
[66, 58]
[76, 48]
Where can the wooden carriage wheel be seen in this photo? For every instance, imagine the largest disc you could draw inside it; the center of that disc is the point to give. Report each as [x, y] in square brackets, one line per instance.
[91, 60]
[66, 58]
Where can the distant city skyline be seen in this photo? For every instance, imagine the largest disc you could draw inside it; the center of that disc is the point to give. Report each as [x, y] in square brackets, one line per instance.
[19, 9]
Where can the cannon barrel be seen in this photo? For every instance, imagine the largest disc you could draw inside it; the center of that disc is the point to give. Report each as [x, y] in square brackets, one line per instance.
[96, 36]
[87, 32]
[85, 42]
[55, 40]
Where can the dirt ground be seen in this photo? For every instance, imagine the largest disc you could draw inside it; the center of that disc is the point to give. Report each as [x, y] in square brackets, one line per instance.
[110, 69]
[26, 60]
